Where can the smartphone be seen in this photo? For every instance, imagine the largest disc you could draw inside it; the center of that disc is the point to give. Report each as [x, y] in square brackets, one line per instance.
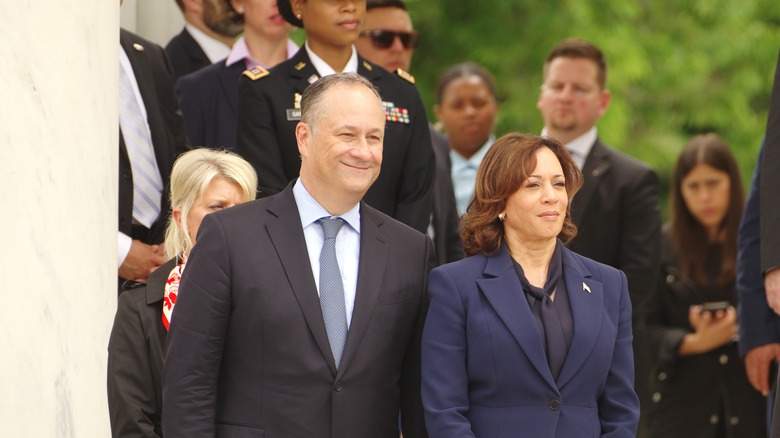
[714, 306]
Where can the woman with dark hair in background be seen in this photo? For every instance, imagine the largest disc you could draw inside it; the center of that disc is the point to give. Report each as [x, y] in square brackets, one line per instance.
[524, 337]
[699, 386]
[466, 107]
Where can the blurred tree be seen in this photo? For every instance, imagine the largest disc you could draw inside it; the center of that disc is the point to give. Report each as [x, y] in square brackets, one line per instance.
[676, 69]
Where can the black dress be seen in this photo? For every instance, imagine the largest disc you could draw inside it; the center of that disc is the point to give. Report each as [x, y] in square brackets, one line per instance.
[704, 395]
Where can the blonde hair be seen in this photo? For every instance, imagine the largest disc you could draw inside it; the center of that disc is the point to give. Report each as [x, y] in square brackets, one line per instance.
[192, 173]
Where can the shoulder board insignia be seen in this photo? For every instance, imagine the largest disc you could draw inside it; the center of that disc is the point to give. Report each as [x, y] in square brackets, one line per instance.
[405, 75]
[256, 73]
[138, 47]
[368, 66]
[299, 66]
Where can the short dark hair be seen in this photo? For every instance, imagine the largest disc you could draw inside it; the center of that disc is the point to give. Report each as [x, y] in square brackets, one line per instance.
[507, 164]
[311, 100]
[579, 48]
[463, 70]
[689, 238]
[372, 4]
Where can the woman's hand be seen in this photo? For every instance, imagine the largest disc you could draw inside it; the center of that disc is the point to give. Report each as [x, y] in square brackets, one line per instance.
[711, 330]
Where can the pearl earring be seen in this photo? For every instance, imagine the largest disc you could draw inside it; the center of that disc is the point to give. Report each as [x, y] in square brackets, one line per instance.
[502, 216]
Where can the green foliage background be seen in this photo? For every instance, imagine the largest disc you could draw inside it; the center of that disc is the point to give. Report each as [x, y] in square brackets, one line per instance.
[676, 68]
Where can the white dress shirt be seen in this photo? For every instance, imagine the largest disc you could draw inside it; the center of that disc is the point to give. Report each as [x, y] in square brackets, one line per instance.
[347, 242]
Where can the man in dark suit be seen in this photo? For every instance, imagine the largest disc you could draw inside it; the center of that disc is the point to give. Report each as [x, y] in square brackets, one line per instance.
[390, 17]
[758, 259]
[269, 110]
[253, 349]
[210, 27]
[147, 150]
[617, 210]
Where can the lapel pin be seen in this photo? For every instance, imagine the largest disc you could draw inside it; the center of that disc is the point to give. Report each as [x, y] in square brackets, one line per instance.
[299, 66]
[585, 287]
[138, 47]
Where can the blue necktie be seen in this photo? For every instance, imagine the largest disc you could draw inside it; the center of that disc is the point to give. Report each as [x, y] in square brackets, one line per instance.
[334, 311]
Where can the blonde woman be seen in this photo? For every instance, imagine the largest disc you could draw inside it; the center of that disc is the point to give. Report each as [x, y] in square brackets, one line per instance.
[203, 181]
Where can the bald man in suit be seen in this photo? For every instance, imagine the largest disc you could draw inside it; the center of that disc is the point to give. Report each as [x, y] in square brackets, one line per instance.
[265, 340]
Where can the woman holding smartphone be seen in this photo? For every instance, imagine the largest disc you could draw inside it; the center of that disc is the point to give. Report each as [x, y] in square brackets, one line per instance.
[698, 385]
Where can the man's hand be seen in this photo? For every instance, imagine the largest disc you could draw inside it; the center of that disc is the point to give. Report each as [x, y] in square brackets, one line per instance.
[757, 363]
[772, 286]
[141, 261]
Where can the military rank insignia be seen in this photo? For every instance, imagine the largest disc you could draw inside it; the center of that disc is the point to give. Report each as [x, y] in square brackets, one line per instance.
[396, 114]
[294, 113]
[256, 73]
[403, 74]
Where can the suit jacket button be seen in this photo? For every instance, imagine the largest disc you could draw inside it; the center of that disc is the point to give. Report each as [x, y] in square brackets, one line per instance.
[723, 359]
[338, 386]
[555, 404]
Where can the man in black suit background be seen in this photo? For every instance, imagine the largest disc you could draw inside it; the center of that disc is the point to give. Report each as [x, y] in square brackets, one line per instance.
[264, 341]
[617, 210]
[151, 137]
[210, 27]
[758, 266]
[388, 20]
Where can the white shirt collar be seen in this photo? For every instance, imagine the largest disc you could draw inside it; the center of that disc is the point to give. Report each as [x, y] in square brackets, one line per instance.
[580, 147]
[311, 211]
[215, 50]
[324, 69]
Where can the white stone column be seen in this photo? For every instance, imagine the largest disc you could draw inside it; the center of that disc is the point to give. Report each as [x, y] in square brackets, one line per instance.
[58, 214]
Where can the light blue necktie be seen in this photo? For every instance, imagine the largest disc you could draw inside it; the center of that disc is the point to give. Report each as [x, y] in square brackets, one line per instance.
[147, 182]
[332, 290]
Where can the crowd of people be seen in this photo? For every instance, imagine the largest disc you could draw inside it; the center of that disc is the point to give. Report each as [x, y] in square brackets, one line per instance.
[388, 275]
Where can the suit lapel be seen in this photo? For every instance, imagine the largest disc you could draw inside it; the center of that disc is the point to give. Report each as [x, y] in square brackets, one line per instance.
[596, 166]
[286, 235]
[586, 297]
[503, 291]
[228, 80]
[142, 70]
[371, 268]
[301, 71]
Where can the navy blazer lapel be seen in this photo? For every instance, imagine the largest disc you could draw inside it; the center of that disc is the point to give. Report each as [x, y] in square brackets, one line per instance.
[228, 80]
[586, 297]
[503, 290]
[373, 259]
[286, 235]
[596, 166]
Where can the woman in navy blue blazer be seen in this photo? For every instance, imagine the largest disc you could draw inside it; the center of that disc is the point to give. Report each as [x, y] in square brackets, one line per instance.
[525, 338]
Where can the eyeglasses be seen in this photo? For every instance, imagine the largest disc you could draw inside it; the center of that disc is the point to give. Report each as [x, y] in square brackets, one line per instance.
[383, 39]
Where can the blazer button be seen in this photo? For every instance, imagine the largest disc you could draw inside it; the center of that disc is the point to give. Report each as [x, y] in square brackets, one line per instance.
[662, 376]
[714, 419]
[555, 404]
[734, 421]
[338, 386]
[723, 359]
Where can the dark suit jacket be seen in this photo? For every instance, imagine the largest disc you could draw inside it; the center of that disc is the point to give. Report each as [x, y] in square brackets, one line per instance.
[209, 103]
[136, 352]
[153, 74]
[692, 389]
[185, 54]
[446, 223]
[248, 355]
[485, 373]
[617, 213]
[266, 138]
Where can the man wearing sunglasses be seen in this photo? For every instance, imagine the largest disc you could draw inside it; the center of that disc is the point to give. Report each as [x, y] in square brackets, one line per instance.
[387, 38]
